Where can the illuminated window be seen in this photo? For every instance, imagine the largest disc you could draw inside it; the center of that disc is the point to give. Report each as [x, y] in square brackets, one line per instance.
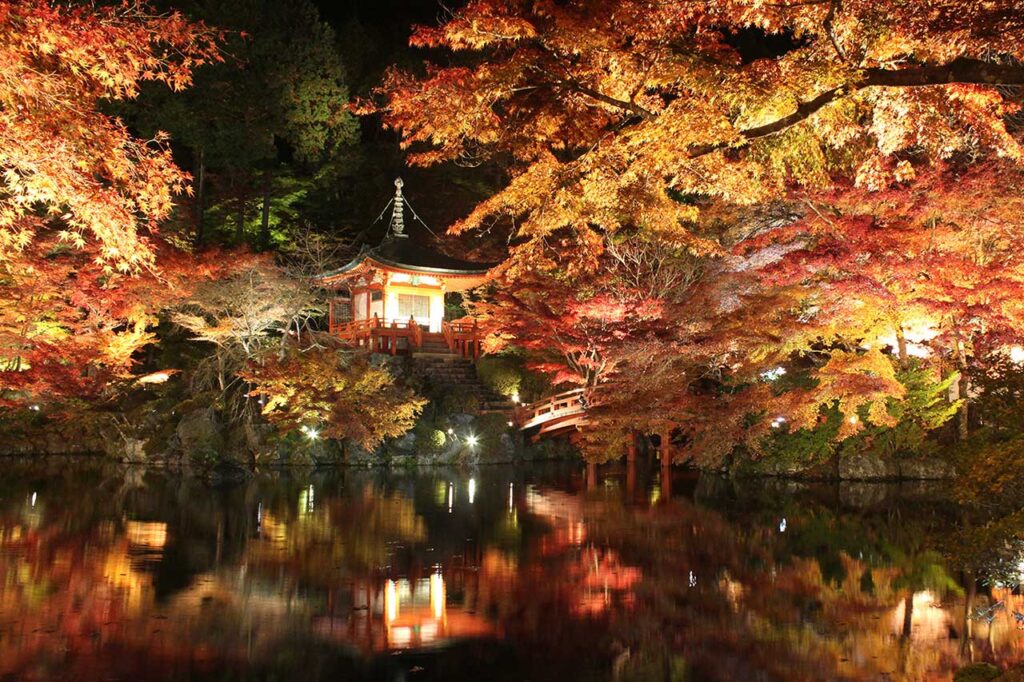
[410, 305]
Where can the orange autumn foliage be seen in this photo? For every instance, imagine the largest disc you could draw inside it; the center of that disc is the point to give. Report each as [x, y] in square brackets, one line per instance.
[338, 394]
[70, 329]
[64, 162]
[827, 163]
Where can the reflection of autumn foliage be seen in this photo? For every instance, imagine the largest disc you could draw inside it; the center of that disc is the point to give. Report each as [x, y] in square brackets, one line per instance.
[731, 609]
[85, 604]
[66, 593]
[601, 578]
[354, 532]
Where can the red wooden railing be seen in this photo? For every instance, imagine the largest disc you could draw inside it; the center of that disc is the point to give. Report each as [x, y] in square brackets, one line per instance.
[463, 337]
[378, 335]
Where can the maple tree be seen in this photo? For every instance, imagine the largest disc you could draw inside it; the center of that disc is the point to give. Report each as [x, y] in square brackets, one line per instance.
[82, 197]
[811, 156]
[66, 163]
[244, 315]
[335, 394]
[70, 329]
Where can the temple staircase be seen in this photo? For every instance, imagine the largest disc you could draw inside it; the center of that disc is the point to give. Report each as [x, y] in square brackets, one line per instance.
[442, 367]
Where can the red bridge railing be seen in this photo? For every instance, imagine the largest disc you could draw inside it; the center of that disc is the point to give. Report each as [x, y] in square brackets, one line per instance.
[558, 413]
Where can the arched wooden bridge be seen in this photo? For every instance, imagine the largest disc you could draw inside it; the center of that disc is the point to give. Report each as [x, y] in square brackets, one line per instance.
[559, 414]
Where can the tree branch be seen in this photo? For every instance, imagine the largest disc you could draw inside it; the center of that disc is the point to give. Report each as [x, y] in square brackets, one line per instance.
[959, 71]
[828, 26]
[632, 107]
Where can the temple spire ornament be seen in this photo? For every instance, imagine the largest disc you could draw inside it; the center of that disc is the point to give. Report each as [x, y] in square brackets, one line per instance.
[398, 212]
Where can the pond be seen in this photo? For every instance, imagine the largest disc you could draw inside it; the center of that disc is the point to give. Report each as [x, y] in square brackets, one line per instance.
[498, 573]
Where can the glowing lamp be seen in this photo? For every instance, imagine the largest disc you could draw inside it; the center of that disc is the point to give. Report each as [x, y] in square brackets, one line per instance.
[471, 440]
[157, 377]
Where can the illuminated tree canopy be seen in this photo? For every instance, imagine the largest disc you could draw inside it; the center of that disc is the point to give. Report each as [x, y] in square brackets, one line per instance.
[845, 175]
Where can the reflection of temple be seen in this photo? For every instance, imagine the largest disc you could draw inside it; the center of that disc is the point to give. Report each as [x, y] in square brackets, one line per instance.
[406, 613]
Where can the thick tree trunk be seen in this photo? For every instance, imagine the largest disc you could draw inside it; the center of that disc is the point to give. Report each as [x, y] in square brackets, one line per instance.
[908, 615]
[666, 483]
[200, 196]
[901, 346]
[631, 448]
[265, 213]
[964, 389]
[591, 476]
[240, 220]
[967, 631]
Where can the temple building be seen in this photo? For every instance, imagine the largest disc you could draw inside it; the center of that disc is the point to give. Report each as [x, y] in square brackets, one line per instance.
[391, 296]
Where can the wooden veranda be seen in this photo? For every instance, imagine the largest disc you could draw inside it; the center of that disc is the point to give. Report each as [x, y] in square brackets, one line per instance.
[462, 337]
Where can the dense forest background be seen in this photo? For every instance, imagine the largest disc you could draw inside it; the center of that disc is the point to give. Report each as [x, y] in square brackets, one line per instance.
[268, 135]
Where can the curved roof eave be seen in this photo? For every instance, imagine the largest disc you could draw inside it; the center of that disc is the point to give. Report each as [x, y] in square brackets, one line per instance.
[425, 269]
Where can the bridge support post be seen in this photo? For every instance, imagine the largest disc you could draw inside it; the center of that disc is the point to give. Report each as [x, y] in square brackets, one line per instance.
[591, 476]
[666, 465]
[631, 448]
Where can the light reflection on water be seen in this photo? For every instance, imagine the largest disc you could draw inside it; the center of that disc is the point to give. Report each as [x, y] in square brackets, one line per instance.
[498, 573]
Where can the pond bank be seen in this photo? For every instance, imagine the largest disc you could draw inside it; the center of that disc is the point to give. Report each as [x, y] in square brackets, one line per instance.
[202, 440]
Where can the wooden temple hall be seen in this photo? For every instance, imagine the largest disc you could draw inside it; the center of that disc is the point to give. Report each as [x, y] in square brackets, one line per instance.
[391, 297]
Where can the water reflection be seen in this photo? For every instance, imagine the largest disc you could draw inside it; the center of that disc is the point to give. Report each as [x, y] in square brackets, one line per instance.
[502, 573]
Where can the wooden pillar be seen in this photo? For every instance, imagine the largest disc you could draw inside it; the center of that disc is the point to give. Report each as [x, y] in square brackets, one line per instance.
[666, 465]
[631, 447]
[591, 476]
[631, 466]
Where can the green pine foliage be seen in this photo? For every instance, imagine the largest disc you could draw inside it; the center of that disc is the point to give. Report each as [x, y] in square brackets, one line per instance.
[269, 126]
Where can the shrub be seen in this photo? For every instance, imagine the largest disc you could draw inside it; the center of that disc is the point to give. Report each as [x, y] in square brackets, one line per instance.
[429, 439]
[503, 374]
[458, 400]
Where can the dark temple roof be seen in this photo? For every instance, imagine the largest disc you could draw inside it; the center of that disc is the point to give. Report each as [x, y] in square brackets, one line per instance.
[403, 253]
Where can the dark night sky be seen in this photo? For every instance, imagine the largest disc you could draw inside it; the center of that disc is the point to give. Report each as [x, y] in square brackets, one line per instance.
[399, 13]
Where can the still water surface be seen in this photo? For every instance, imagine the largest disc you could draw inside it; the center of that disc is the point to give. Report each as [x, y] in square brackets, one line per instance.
[526, 573]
